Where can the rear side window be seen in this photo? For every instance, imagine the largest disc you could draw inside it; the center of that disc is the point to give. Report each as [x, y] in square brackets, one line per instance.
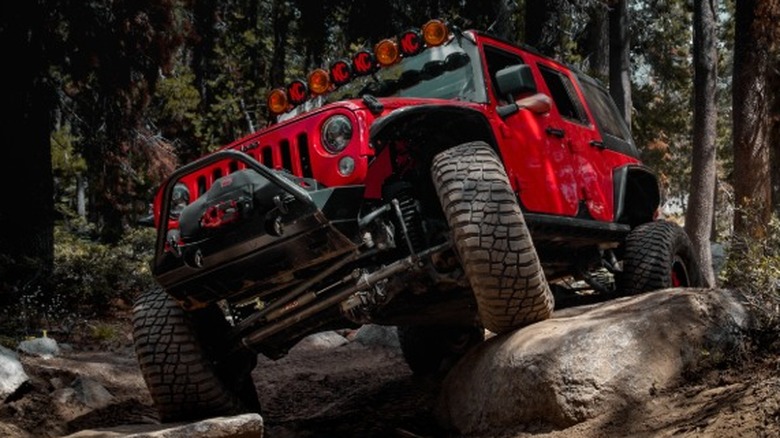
[563, 94]
[606, 113]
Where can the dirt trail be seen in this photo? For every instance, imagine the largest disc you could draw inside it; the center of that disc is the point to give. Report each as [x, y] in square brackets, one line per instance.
[367, 391]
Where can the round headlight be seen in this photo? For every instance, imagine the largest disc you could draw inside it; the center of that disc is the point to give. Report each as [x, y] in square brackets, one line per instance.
[336, 133]
[179, 199]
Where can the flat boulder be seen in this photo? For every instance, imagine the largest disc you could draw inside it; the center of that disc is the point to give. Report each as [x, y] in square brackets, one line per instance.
[239, 426]
[591, 360]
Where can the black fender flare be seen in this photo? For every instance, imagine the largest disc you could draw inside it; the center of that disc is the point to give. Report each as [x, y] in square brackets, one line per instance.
[637, 194]
[444, 125]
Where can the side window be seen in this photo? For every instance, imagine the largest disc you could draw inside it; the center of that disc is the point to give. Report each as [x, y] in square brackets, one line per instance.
[496, 60]
[563, 94]
[605, 112]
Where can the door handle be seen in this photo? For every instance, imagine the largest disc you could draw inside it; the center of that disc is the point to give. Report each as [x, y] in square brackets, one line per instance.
[555, 132]
[597, 144]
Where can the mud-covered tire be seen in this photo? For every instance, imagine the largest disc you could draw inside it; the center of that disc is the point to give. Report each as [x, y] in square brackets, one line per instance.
[658, 255]
[491, 237]
[179, 355]
[431, 349]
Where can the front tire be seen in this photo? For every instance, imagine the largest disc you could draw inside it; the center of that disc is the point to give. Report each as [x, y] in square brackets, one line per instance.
[491, 237]
[182, 359]
[658, 255]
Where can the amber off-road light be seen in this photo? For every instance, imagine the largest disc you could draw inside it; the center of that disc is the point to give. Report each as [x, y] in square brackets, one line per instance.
[277, 101]
[364, 62]
[435, 32]
[319, 81]
[386, 52]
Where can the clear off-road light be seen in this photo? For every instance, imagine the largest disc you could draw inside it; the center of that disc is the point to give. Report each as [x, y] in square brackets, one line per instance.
[336, 133]
[346, 166]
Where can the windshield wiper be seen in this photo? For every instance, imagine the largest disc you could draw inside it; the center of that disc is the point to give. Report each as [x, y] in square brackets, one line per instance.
[373, 104]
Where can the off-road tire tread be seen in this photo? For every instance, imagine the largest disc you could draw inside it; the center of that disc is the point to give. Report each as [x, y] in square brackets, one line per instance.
[648, 258]
[181, 380]
[491, 237]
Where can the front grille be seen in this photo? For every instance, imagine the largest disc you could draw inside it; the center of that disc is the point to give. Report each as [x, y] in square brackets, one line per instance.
[275, 152]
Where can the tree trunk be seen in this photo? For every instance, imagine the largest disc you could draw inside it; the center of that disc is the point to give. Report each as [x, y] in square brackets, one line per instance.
[537, 14]
[26, 181]
[698, 219]
[619, 58]
[281, 24]
[755, 22]
[775, 138]
[81, 196]
[504, 26]
[597, 43]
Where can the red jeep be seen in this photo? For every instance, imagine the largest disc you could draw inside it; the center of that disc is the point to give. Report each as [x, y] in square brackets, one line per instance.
[446, 182]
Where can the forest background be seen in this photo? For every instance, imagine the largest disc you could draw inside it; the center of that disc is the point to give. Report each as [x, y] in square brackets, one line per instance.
[104, 98]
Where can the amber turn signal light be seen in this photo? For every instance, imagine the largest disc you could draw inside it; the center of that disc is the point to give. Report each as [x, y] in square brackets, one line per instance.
[386, 52]
[319, 81]
[277, 101]
[435, 32]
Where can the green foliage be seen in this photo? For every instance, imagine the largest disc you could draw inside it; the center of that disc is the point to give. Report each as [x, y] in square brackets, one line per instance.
[753, 267]
[93, 276]
[90, 280]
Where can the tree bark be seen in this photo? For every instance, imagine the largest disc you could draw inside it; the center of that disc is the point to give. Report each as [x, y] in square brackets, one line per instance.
[597, 43]
[756, 22]
[504, 25]
[619, 58]
[281, 25]
[537, 15]
[698, 219]
[26, 182]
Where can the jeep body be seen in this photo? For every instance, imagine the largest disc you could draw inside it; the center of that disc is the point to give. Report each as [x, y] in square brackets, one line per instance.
[332, 216]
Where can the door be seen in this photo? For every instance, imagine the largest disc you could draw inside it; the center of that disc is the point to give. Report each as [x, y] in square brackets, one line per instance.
[539, 164]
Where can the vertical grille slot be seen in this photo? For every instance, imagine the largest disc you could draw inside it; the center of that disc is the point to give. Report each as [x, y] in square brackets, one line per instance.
[268, 157]
[202, 185]
[217, 174]
[284, 146]
[303, 154]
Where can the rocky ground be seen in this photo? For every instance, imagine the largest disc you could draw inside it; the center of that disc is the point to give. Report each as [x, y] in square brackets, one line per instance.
[359, 386]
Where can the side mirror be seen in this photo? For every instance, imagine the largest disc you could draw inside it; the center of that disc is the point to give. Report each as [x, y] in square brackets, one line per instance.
[538, 103]
[515, 79]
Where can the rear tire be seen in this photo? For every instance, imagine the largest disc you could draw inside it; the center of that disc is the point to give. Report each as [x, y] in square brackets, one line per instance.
[184, 364]
[658, 255]
[491, 237]
[431, 349]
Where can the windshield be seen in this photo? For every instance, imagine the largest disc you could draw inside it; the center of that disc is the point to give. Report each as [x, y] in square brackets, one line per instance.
[449, 71]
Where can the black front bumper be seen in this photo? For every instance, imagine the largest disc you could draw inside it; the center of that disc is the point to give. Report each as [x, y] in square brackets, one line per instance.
[252, 258]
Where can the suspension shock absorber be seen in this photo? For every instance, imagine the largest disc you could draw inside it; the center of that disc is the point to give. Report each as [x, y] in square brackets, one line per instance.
[410, 214]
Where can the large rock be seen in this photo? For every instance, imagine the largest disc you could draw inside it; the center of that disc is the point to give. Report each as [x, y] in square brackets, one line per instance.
[591, 360]
[239, 426]
[42, 347]
[12, 374]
